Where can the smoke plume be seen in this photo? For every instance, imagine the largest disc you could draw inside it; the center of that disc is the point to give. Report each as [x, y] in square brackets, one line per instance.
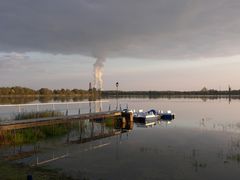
[98, 72]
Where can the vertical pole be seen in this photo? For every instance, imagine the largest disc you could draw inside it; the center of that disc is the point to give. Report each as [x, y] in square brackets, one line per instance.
[117, 95]
[67, 110]
[92, 129]
[19, 112]
[90, 107]
[19, 108]
[53, 109]
[37, 111]
[117, 84]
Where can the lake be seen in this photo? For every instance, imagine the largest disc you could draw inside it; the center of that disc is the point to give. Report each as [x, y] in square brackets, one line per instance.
[202, 142]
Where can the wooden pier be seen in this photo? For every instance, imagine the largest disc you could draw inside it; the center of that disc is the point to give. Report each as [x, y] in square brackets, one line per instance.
[21, 124]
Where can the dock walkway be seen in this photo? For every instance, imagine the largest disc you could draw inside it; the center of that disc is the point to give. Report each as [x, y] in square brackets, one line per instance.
[21, 124]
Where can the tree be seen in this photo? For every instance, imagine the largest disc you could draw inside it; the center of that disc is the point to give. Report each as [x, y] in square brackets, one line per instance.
[45, 91]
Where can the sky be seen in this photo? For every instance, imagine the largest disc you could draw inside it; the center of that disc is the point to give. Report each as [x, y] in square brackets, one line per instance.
[145, 44]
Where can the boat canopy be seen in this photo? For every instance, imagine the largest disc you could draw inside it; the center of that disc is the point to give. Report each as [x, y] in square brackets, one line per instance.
[152, 111]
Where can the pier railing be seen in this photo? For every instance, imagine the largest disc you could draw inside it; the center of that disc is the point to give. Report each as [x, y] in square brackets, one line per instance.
[10, 111]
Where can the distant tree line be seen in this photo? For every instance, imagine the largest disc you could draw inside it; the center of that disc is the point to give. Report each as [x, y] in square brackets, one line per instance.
[23, 91]
[203, 92]
[17, 91]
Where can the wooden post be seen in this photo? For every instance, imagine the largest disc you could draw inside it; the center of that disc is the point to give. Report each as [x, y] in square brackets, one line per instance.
[128, 116]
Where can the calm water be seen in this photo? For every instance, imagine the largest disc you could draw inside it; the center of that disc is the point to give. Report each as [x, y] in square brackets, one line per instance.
[203, 142]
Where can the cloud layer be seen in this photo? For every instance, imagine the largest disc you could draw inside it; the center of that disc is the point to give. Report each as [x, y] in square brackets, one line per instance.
[159, 29]
[13, 60]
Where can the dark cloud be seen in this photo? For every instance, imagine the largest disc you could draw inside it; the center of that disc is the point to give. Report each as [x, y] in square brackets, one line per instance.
[160, 29]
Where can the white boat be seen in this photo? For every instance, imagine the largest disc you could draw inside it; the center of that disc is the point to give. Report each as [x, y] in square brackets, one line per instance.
[145, 117]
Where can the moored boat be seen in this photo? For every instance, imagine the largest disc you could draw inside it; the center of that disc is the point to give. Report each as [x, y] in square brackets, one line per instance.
[145, 117]
[166, 115]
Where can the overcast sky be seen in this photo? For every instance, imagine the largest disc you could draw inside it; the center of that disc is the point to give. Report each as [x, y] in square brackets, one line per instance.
[148, 44]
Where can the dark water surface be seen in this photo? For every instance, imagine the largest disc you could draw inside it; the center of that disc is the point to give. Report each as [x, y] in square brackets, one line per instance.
[202, 142]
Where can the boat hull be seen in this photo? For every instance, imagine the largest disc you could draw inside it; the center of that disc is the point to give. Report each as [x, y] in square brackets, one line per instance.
[167, 116]
[145, 119]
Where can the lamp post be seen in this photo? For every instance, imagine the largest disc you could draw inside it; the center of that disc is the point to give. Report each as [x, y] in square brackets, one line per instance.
[117, 84]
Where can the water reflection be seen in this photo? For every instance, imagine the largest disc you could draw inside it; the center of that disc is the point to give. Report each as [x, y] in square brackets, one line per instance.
[26, 143]
[203, 142]
[45, 99]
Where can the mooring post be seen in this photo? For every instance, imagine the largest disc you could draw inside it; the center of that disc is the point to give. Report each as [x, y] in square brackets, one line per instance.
[128, 116]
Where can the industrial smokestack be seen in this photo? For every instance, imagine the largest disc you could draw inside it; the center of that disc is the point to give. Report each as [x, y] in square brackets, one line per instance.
[98, 72]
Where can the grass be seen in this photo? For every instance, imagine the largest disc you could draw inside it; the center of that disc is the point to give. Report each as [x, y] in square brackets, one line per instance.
[34, 115]
[234, 157]
[110, 122]
[11, 171]
[32, 135]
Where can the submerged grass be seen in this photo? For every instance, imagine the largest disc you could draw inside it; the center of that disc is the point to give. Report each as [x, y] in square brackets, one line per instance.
[234, 157]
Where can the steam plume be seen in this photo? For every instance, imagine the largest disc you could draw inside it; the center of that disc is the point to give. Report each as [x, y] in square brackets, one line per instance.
[98, 72]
